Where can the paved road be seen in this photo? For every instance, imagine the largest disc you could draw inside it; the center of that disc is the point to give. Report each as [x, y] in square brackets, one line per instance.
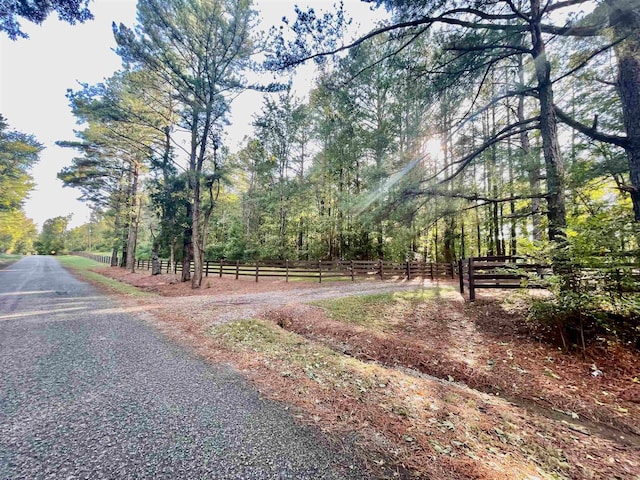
[88, 392]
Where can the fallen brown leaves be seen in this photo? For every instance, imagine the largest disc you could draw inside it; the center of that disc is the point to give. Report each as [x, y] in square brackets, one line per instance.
[454, 346]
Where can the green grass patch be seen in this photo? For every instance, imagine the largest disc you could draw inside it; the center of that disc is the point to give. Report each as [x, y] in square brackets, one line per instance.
[260, 336]
[82, 266]
[78, 263]
[7, 259]
[294, 355]
[377, 310]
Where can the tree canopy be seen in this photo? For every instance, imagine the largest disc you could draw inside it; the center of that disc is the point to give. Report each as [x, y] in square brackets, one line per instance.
[12, 11]
[18, 154]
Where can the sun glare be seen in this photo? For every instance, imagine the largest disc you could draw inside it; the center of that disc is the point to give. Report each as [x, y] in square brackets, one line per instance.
[433, 148]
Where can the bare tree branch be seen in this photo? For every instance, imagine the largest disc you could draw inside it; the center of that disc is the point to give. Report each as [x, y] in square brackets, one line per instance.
[590, 132]
[471, 197]
[506, 132]
[590, 57]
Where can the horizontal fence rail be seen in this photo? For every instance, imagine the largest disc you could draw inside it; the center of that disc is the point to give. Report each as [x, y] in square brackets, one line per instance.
[304, 269]
[500, 272]
[520, 272]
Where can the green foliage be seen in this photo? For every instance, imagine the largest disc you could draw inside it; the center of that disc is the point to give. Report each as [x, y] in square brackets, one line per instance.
[71, 11]
[419, 142]
[575, 319]
[18, 153]
[143, 251]
[53, 237]
[599, 295]
[17, 232]
[95, 236]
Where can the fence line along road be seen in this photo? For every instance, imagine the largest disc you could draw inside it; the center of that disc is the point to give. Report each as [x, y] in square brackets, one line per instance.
[521, 272]
[320, 270]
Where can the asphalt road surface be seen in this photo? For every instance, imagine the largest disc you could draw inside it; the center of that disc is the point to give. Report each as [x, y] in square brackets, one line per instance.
[87, 391]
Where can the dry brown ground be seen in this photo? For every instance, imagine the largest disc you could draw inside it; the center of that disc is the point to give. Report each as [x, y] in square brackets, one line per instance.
[461, 391]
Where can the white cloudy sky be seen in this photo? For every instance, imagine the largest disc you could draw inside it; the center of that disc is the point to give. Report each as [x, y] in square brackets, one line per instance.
[36, 72]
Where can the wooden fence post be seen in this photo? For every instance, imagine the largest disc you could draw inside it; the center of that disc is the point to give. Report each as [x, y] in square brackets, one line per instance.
[237, 269]
[319, 271]
[453, 270]
[461, 276]
[286, 266]
[408, 270]
[352, 272]
[220, 271]
[206, 268]
[431, 270]
[381, 270]
[472, 287]
[257, 270]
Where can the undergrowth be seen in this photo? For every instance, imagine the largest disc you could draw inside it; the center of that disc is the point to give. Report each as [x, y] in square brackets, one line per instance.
[577, 319]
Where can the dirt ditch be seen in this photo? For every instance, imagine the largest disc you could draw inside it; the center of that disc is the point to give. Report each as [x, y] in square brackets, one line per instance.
[533, 375]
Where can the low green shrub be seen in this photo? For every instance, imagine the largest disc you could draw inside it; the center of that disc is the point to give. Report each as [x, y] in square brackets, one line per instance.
[579, 318]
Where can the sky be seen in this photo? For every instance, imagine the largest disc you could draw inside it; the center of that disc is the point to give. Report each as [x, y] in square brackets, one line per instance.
[35, 74]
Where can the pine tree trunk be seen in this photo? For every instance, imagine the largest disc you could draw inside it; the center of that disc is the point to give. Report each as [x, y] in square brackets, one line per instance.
[626, 21]
[196, 279]
[554, 163]
[156, 266]
[133, 219]
[172, 252]
[114, 257]
[187, 248]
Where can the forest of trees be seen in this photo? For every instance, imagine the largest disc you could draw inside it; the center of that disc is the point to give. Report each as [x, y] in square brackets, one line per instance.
[18, 153]
[452, 129]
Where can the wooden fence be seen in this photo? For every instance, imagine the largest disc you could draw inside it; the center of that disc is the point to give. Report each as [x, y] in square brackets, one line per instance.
[500, 272]
[320, 270]
[97, 258]
[617, 277]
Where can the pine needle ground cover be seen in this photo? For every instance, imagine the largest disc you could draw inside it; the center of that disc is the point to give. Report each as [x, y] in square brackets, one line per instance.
[397, 369]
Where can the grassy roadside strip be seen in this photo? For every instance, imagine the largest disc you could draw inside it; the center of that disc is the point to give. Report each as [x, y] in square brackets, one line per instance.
[84, 268]
[378, 311]
[411, 427]
[7, 259]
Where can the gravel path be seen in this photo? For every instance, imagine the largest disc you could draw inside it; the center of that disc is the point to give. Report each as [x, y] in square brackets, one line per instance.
[90, 392]
[224, 307]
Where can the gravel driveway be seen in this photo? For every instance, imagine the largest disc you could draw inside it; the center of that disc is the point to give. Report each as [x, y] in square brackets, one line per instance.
[87, 391]
[226, 307]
